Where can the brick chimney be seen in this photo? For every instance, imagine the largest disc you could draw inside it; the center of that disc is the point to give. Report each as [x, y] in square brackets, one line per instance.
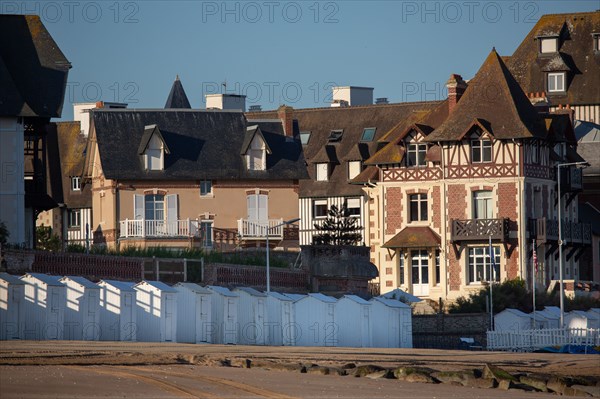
[456, 87]
[286, 114]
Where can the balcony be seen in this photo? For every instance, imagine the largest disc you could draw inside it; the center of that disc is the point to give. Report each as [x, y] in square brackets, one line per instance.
[480, 229]
[571, 179]
[142, 228]
[572, 233]
[251, 229]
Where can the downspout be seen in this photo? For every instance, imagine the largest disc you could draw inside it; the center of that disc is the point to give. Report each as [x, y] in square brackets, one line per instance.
[521, 236]
[444, 223]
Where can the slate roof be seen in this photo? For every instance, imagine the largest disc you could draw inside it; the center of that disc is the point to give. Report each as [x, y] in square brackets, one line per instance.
[251, 291]
[177, 97]
[203, 145]
[222, 291]
[352, 120]
[588, 146]
[193, 287]
[392, 303]
[46, 279]
[575, 29]
[10, 279]
[494, 101]
[159, 285]
[33, 69]
[414, 237]
[84, 282]
[125, 286]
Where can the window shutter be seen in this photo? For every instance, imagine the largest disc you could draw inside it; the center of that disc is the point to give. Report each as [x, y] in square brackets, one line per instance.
[171, 207]
[252, 207]
[138, 206]
[263, 210]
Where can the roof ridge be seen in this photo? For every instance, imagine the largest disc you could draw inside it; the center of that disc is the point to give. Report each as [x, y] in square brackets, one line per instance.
[355, 106]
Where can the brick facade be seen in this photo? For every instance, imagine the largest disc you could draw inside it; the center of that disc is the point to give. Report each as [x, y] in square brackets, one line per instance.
[508, 207]
[394, 207]
[457, 205]
[436, 214]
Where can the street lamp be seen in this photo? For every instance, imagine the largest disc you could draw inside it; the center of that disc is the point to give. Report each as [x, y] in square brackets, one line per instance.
[292, 221]
[560, 242]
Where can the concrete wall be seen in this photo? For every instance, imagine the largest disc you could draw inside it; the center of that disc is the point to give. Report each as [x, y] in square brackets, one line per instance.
[444, 331]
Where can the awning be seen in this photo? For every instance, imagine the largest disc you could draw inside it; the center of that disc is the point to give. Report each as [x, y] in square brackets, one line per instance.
[414, 237]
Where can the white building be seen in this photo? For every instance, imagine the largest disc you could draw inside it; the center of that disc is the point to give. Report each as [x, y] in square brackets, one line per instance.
[252, 317]
[393, 321]
[316, 321]
[82, 313]
[118, 320]
[156, 306]
[194, 310]
[45, 302]
[354, 321]
[282, 319]
[12, 303]
[224, 315]
[512, 320]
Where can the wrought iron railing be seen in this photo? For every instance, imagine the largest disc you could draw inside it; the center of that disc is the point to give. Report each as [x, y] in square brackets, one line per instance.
[479, 229]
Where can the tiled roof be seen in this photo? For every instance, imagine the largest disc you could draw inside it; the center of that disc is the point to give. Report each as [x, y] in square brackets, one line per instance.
[414, 237]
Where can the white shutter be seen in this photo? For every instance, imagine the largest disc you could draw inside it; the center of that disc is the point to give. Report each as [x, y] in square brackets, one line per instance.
[171, 207]
[263, 209]
[252, 207]
[138, 206]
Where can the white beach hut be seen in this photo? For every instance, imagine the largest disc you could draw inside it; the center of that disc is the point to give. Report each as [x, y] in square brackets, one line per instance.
[512, 320]
[553, 318]
[282, 319]
[45, 300]
[224, 315]
[118, 320]
[156, 307]
[12, 306]
[194, 309]
[581, 319]
[353, 318]
[82, 312]
[316, 321]
[252, 317]
[393, 323]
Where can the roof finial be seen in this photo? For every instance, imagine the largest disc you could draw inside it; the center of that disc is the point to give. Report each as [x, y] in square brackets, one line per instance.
[177, 77]
[494, 49]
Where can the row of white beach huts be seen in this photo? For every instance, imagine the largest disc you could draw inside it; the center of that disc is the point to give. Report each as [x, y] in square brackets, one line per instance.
[548, 318]
[38, 306]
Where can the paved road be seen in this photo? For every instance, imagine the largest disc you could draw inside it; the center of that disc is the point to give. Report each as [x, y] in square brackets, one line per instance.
[185, 381]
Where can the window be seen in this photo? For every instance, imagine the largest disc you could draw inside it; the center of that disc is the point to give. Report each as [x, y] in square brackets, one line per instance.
[154, 207]
[549, 45]
[304, 137]
[596, 38]
[322, 172]
[401, 258]
[416, 155]
[154, 154]
[74, 218]
[205, 188]
[368, 134]
[206, 227]
[420, 267]
[535, 150]
[335, 136]
[353, 206]
[479, 264]
[481, 150]
[258, 207]
[437, 267]
[75, 183]
[556, 82]
[418, 207]
[256, 154]
[319, 209]
[354, 169]
[482, 205]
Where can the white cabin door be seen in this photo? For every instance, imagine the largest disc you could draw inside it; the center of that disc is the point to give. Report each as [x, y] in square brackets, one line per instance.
[127, 326]
[230, 328]
[394, 330]
[261, 328]
[286, 324]
[90, 328]
[169, 306]
[202, 318]
[365, 323]
[420, 272]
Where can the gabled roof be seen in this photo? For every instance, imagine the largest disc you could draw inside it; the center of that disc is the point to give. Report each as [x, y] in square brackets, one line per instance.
[399, 295]
[33, 69]
[326, 154]
[359, 152]
[575, 30]
[392, 303]
[279, 296]
[295, 297]
[124, 286]
[414, 237]
[222, 291]
[555, 64]
[588, 145]
[495, 97]
[159, 285]
[322, 297]
[10, 279]
[46, 279]
[251, 132]
[193, 287]
[204, 145]
[356, 298]
[84, 282]
[177, 97]
[149, 132]
[251, 291]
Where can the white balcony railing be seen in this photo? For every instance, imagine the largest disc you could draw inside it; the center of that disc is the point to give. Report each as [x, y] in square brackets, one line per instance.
[142, 228]
[257, 229]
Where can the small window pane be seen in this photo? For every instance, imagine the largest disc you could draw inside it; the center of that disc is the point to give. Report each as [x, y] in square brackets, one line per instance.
[304, 137]
[354, 169]
[205, 188]
[320, 209]
[549, 45]
[368, 134]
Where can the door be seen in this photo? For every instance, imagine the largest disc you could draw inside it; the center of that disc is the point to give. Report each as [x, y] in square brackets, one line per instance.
[420, 272]
[127, 323]
[365, 327]
[53, 326]
[286, 324]
[261, 329]
[230, 328]
[258, 211]
[202, 318]
[169, 318]
[14, 312]
[394, 329]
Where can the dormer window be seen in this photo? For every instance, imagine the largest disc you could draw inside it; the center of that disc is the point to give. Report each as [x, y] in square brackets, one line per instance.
[354, 169]
[255, 149]
[556, 82]
[153, 148]
[481, 149]
[322, 171]
[75, 183]
[304, 137]
[368, 134]
[548, 45]
[335, 136]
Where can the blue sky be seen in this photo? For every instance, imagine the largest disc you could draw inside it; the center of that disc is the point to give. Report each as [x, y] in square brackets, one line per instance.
[278, 52]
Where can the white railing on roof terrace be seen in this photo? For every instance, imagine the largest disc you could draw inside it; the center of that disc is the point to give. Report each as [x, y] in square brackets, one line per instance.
[142, 228]
[257, 229]
[525, 340]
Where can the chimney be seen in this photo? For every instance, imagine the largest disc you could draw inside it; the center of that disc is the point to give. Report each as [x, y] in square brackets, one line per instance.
[255, 108]
[286, 114]
[456, 87]
[381, 100]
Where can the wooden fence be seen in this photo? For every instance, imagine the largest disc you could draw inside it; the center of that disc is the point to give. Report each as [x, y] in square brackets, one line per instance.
[526, 340]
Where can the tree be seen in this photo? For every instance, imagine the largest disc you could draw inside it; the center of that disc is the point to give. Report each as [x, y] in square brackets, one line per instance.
[46, 240]
[340, 228]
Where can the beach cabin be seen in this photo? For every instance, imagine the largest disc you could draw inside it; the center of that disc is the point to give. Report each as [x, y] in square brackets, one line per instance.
[12, 306]
[512, 320]
[553, 318]
[224, 315]
[581, 319]
[45, 301]
[194, 309]
[353, 318]
[316, 321]
[252, 317]
[282, 320]
[594, 315]
[156, 307]
[118, 320]
[82, 312]
[393, 323]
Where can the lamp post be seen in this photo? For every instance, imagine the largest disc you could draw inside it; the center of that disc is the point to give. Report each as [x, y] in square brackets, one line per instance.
[560, 241]
[287, 222]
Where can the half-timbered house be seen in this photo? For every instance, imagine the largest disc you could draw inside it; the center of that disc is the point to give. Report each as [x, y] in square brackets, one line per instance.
[478, 167]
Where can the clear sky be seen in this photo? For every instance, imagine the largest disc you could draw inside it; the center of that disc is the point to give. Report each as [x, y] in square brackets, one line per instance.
[278, 52]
